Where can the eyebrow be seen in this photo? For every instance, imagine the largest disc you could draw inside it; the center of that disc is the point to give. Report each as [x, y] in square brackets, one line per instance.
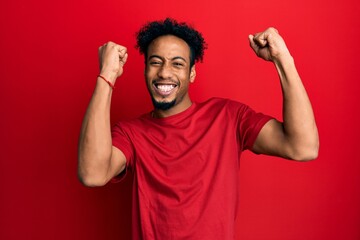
[174, 58]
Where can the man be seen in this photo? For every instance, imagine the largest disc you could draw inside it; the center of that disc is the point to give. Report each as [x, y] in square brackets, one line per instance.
[185, 155]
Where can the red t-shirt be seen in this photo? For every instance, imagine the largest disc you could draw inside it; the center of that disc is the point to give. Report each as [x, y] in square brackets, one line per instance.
[186, 169]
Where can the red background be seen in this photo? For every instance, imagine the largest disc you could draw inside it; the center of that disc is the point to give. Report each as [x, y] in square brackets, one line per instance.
[48, 71]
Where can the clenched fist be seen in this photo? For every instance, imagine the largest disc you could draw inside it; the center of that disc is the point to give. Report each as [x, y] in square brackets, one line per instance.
[269, 45]
[112, 58]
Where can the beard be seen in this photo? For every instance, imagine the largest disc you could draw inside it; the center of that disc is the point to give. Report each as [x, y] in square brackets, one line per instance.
[163, 105]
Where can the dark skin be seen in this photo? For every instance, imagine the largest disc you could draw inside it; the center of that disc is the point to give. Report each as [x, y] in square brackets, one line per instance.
[168, 64]
[168, 75]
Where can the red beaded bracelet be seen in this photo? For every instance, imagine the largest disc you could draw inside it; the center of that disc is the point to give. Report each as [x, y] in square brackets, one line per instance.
[110, 84]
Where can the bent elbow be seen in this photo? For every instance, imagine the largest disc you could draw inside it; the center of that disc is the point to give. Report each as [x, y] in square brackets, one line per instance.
[314, 154]
[91, 181]
[306, 154]
[306, 157]
[90, 178]
[92, 171]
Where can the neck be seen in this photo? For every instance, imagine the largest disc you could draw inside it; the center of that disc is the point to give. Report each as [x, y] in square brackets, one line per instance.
[177, 108]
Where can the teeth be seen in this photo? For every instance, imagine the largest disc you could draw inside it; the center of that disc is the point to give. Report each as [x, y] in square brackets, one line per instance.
[165, 88]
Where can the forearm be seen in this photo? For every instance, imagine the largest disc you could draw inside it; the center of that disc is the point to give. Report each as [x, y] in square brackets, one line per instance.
[95, 142]
[299, 124]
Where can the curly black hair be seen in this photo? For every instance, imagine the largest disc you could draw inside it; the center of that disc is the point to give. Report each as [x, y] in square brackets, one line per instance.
[169, 26]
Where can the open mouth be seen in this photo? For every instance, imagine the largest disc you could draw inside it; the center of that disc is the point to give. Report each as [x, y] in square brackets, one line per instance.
[164, 89]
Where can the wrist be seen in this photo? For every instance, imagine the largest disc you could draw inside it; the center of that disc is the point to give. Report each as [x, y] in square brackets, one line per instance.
[105, 80]
[284, 60]
[286, 69]
[109, 76]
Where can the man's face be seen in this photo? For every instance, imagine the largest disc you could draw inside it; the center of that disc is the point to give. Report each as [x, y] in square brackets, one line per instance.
[168, 72]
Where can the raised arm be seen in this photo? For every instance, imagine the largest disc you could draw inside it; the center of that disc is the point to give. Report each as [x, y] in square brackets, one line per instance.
[98, 160]
[296, 137]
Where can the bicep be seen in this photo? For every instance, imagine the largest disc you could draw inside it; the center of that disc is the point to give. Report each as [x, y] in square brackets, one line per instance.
[117, 163]
[271, 140]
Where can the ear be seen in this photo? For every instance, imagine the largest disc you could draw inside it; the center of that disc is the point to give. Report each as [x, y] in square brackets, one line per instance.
[192, 74]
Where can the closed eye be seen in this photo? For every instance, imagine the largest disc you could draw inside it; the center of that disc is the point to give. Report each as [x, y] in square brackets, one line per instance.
[178, 64]
[155, 63]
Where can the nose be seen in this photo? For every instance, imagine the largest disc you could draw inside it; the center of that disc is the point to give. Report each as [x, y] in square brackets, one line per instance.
[165, 71]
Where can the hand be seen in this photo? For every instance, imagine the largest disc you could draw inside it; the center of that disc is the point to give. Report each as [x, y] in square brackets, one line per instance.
[269, 45]
[112, 58]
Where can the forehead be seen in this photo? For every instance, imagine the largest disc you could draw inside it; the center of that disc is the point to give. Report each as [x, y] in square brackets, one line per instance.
[169, 46]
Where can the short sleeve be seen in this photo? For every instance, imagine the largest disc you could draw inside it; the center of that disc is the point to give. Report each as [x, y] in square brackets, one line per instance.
[122, 141]
[249, 125]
